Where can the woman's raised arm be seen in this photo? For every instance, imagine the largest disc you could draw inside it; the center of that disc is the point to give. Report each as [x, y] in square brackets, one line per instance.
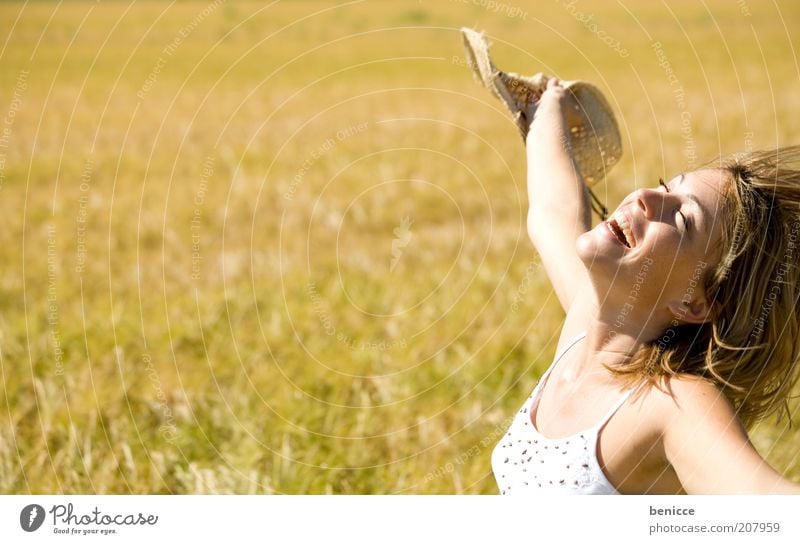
[559, 209]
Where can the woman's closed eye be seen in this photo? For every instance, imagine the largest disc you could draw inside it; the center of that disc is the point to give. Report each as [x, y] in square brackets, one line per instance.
[686, 223]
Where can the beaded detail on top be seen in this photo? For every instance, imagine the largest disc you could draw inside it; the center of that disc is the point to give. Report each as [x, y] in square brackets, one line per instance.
[525, 461]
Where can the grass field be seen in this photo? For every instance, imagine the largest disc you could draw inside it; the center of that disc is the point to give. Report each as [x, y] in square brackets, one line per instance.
[280, 248]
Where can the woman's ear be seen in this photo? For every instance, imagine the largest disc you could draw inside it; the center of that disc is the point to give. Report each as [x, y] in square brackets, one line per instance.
[696, 312]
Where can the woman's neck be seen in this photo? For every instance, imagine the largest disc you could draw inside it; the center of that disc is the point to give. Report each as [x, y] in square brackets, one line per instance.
[614, 333]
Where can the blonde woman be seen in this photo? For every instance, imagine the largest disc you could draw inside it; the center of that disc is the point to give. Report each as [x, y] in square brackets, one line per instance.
[681, 326]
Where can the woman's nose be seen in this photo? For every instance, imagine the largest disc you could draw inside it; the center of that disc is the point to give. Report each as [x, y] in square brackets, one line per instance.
[651, 201]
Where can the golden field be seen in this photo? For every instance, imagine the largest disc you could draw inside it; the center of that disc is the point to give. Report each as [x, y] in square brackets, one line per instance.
[281, 248]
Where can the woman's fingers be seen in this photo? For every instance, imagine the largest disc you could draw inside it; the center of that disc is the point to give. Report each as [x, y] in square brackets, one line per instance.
[554, 89]
[553, 82]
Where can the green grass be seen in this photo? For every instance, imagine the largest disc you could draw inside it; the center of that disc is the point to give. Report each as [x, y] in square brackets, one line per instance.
[294, 358]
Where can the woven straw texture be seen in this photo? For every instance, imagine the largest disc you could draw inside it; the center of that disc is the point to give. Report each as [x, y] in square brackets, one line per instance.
[593, 131]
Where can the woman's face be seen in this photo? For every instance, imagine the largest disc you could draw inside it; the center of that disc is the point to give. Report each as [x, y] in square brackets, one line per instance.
[657, 245]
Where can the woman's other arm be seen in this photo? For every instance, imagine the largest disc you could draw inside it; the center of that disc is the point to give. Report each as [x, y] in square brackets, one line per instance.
[709, 448]
[559, 209]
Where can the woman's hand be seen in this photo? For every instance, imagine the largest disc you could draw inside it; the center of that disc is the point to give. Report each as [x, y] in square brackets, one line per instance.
[554, 93]
[554, 90]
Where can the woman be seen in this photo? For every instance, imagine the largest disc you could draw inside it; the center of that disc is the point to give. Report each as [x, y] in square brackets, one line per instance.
[681, 326]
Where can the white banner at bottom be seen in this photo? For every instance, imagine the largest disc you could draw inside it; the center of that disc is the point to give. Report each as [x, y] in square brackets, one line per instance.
[398, 519]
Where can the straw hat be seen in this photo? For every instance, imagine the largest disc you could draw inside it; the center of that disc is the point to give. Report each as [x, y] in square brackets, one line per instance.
[593, 131]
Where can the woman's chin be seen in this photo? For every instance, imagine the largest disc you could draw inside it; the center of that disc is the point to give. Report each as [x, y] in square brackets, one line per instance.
[592, 246]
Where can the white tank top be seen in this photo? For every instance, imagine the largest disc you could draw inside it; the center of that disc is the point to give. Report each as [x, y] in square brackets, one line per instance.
[524, 461]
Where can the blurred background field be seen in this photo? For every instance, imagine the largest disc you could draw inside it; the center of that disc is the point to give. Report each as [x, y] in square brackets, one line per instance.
[280, 248]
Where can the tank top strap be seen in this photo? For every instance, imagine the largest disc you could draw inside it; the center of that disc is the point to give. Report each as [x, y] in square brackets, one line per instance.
[537, 391]
[558, 357]
[616, 407]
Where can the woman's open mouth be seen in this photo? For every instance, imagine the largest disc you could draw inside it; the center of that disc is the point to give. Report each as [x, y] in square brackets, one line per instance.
[619, 227]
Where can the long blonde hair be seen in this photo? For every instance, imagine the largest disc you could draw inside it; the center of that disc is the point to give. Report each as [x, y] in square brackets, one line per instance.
[750, 348]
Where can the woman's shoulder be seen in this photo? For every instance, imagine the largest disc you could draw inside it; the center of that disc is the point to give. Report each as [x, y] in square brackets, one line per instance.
[689, 388]
[706, 443]
[690, 398]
